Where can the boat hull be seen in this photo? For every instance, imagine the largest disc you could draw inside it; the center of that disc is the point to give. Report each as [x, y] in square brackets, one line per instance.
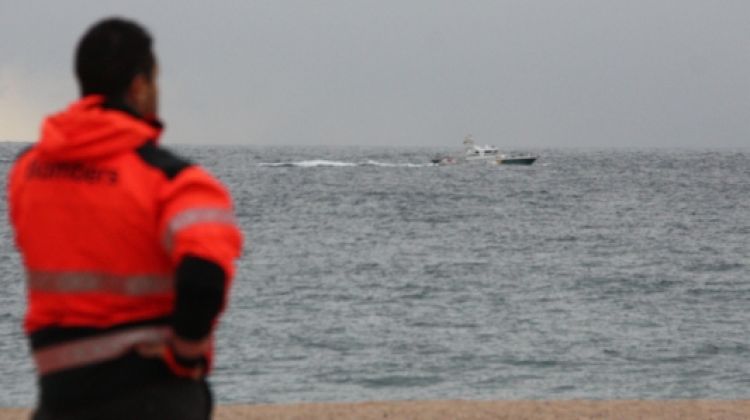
[517, 161]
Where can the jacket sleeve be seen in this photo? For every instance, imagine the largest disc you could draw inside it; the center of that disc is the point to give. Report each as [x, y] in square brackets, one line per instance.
[199, 232]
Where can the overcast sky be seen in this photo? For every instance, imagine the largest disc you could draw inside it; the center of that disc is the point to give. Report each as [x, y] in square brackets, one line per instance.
[523, 73]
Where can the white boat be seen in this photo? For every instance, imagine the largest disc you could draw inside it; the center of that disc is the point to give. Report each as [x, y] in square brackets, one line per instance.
[475, 152]
[490, 154]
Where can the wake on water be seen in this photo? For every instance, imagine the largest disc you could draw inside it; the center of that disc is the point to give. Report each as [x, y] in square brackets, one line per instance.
[332, 163]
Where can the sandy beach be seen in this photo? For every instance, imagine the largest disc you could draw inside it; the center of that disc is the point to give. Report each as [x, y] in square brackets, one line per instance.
[478, 410]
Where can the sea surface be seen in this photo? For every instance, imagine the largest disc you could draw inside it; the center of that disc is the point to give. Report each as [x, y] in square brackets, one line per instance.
[370, 274]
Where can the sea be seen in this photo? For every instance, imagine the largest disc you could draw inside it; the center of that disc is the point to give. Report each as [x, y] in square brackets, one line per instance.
[371, 274]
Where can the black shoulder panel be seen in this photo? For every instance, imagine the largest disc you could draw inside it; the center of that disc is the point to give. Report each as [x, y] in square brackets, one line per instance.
[162, 159]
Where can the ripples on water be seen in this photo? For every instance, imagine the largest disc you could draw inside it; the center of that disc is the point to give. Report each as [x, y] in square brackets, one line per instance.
[371, 275]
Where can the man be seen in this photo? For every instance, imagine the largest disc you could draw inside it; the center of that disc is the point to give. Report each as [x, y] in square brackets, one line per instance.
[128, 249]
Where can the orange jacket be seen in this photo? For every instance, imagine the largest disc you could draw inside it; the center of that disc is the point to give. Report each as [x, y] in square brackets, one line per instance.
[103, 216]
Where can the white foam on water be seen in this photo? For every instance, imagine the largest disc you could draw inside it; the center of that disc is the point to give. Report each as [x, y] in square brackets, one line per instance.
[309, 164]
[329, 163]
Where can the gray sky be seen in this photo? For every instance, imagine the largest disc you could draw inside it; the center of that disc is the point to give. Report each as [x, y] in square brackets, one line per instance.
[522, 74]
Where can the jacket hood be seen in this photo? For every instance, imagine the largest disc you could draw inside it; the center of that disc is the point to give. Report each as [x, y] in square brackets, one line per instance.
[88, 129]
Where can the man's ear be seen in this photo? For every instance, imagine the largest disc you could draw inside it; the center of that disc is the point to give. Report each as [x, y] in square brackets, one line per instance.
[137, 87]
[138, 94]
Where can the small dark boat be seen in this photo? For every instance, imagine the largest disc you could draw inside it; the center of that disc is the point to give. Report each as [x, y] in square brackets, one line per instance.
[444, 160]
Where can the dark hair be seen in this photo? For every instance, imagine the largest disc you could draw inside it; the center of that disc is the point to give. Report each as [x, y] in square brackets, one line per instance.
[110, 54]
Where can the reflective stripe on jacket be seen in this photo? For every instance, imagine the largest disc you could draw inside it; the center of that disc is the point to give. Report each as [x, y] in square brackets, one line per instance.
[61, 282]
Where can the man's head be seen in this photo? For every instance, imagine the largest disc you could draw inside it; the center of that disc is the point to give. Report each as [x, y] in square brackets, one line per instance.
[114, 58]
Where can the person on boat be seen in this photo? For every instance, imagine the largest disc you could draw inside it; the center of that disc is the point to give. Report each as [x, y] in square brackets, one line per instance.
[128, 249]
